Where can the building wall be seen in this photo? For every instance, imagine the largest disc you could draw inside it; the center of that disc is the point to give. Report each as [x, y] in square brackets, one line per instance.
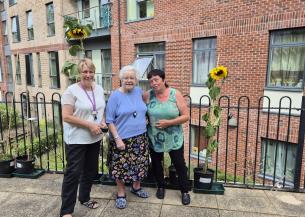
[42, 43]
[242, 29]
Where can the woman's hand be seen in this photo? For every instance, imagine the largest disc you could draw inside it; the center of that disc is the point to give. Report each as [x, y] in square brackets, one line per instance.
[95, 129]
[120, 144]
[161, 124]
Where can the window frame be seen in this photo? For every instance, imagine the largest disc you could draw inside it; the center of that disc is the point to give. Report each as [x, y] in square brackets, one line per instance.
[272, 46]
[50, 23]
[137, 11]
[200, 51]
[18, 70]
[56, 75]
[29, 70]
[4, 32]
[143, 82]
[15, 35]
[261, 168]
[30, 29]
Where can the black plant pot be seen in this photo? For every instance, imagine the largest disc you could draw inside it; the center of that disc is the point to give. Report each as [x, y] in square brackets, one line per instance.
[173, 177]
[203, 180]
[7, 166]
[25, 164]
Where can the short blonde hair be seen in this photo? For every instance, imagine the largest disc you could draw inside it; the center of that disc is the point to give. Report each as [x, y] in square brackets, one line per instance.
[127, 69]
[88, 63]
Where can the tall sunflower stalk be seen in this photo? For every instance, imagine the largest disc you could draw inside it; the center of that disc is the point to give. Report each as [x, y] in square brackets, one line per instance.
[75, 33]
[212, 118]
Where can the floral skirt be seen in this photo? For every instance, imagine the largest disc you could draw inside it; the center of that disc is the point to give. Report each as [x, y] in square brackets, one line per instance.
[131, 164]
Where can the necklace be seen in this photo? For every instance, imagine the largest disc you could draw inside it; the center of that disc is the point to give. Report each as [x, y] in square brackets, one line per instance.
[92, 101]
[134, 114]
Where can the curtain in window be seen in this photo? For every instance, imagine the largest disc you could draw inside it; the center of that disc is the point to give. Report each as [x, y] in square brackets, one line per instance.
[131, 10]
[150, 8]
[29, 20]
[14, 24]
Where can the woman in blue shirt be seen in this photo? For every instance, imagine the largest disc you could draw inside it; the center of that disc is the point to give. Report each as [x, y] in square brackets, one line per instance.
[128, 154]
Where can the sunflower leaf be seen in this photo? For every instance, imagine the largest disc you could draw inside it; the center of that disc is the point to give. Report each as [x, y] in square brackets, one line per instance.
[205, 117]
[209, 131]
[74, 49]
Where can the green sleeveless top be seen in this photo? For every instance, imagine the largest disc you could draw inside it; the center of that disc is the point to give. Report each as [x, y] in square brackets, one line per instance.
[170, 138]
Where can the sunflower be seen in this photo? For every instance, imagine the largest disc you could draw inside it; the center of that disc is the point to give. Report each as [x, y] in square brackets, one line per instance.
[77, 33]
[218, 73]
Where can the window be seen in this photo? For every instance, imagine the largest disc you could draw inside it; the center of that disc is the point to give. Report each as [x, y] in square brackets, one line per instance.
[50, 19]
[12, 2]
[15, 29]
[286, 59]
[88, 54]
[54, 69]
[106, 71]
[4, 32]
[157, 52]
[10, 86]
[139, 9]
[39, 70]
[86, 8]
[29, 69]
[1, 5]
[18, 72]
[283, 149]
[204, 59]
[30, 25]
[196, 132]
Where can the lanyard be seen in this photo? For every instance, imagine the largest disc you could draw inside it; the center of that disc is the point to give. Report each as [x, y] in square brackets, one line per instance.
[92, 101]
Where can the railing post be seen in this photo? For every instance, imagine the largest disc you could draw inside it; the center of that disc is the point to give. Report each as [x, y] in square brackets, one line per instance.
[298, 164]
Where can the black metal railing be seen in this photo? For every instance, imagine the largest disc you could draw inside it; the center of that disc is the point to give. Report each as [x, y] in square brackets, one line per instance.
[260, 146]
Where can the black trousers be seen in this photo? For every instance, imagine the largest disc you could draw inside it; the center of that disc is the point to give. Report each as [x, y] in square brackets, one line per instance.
[177, 159]
[82, 167]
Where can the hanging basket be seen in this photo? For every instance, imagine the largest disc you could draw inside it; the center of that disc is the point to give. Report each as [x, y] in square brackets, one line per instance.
[25, 164]
[7, 166]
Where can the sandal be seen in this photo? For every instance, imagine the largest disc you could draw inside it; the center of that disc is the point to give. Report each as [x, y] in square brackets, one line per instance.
[91, 204]
[139, 192]
[120, 202]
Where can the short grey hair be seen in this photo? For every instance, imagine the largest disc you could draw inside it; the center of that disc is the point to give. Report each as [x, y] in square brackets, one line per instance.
[127, 69]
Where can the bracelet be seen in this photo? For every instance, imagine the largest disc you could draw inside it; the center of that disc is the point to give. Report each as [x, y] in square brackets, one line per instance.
[116, 137]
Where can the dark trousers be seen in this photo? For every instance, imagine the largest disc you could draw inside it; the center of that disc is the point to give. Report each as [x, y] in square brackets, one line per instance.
[177, 159]
[82, 167]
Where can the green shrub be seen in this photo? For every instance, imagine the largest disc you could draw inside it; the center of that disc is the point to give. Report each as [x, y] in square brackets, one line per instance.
[3, 113]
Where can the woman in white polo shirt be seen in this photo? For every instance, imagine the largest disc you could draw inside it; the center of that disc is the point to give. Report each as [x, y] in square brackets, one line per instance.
[83, 107]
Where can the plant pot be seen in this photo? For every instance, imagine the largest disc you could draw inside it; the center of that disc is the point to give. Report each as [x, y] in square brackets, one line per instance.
[24, 165]
[173, 178]
[7, 166]
[203, 180]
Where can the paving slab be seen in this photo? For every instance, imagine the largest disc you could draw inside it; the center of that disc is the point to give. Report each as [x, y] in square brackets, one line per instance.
[187, 211]
[4, 196]
[133, 209]
[248, 204]
[288, 203]
[228, 213]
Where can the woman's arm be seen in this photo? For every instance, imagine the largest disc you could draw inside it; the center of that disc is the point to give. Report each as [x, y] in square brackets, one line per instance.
[119, 142]
[67, 114]
[182, 118]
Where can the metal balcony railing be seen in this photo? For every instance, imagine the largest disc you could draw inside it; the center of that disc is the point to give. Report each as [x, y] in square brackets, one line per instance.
[99, 17]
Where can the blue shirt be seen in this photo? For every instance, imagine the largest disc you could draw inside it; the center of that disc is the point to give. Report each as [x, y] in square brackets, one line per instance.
[127, 112]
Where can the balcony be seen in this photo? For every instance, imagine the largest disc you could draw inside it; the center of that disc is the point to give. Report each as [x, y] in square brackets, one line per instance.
[99, 17]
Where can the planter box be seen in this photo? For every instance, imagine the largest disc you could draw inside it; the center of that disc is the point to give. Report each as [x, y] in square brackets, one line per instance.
[6, 168]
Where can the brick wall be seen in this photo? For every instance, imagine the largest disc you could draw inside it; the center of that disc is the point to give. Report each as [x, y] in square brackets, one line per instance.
[242, 29]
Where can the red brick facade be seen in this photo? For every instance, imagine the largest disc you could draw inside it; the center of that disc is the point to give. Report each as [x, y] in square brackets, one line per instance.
[242, 29]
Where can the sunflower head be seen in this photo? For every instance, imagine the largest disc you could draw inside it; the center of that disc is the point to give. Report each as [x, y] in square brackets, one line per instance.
[219, 72]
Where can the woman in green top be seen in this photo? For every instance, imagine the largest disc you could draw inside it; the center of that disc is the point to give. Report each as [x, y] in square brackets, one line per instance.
[167, 111]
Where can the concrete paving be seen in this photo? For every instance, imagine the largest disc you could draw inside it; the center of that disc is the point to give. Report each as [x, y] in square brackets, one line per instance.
[23, 197]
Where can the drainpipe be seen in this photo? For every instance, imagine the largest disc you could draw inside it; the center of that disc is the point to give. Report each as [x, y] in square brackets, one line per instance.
[119, 28]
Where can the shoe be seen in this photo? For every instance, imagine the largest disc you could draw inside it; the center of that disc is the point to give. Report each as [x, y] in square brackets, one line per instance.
[91, 204]
[186, 199]
[139, 192]
[160, 193]
[121, 202]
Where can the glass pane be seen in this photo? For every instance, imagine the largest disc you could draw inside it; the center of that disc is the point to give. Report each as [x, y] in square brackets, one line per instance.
[50, 13]
[203, 62]
[202, 44]
[106, 61]
[151, 47]
[150, 8]
[29, 19]
[286, 37]
[160, 61]
[131, 10]
[287, 67]
[142, 9]
[51, 29]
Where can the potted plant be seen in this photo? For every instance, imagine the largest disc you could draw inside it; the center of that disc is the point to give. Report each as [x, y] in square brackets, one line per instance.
[7, 163]
[203, 175]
